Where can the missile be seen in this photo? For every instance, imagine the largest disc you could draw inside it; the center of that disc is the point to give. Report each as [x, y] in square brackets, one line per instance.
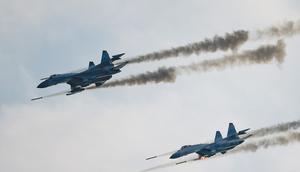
[37, 98]
[181, 162]
[151, 157]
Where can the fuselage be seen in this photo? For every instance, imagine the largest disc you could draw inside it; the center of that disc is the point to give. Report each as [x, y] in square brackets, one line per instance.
[91, 75]
[209, 149]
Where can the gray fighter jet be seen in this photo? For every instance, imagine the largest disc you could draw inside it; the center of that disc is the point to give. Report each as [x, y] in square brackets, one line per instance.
[220, 145]
[95, 74]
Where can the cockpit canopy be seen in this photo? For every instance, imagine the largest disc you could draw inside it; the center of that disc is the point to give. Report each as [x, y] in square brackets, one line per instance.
[52, 76]
[185, 146]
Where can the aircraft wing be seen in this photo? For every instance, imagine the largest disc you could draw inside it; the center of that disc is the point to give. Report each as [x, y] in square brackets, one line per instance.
[75, 84]
[206, 152]
[75, 81]
[98, 84]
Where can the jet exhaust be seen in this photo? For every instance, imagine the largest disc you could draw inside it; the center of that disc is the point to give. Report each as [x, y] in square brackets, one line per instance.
[265, 143]
[285, 29]
[283, 127]
[230, 41]
[261, 55]
[163, 74]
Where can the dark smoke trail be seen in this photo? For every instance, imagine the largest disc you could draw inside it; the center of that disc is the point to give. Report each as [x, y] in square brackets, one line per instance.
[265, 143]
[276, 129]
[163, 74]
[263, 54]
[286, 29]
[229, 41]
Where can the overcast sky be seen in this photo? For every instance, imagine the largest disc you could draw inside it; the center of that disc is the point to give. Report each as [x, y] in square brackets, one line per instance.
[115, 129]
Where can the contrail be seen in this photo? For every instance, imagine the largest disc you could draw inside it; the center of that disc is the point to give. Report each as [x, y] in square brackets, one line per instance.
[283, 127]
[265, 143]
[286, 29]
[230, 41]
[263, 54]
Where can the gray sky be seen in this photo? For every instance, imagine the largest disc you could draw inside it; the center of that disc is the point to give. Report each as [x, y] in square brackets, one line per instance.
[114, 129]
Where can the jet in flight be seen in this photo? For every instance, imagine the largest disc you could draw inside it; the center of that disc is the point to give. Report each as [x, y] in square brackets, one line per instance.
[95, 74]
[220, 145]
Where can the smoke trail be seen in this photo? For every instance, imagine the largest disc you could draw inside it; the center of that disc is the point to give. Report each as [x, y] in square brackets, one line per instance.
[288, 138]
[229, 41]
[286, 29]
[163, 74]
[263, 54]
[283, 127]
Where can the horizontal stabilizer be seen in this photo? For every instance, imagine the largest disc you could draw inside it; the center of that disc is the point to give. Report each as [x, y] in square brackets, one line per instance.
[117, 57]
[243, 131]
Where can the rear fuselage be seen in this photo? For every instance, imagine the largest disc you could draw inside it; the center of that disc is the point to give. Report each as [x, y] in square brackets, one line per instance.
[225, 144]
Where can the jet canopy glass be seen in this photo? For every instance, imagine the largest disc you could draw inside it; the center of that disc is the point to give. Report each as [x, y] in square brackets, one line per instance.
[52, 76]
[185, 146]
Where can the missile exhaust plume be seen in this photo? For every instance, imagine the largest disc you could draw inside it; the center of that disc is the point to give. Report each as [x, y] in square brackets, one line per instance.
[263, 54]
[230, 41]
[286, 29]
[283, 127]
[265, 143]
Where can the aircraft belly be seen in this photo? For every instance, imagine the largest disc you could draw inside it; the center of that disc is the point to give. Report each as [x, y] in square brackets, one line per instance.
[227, 148]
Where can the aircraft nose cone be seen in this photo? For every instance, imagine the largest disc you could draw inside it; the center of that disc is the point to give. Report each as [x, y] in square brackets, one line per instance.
[174, 156]
[42, 85]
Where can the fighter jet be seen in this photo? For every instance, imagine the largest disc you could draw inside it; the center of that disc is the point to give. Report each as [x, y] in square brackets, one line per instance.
[95, 74]
[220, 145]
